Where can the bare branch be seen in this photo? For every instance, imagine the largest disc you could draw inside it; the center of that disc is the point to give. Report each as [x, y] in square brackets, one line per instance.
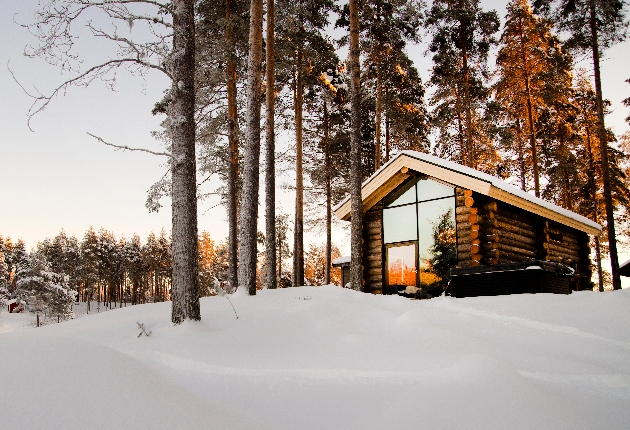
[83, 79]
[126, 148]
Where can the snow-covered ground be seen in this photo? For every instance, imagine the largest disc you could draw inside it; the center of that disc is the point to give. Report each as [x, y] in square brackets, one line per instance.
[327, 358]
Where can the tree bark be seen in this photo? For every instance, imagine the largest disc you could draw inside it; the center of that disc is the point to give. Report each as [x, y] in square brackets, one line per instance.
[328, 196]
[530, 118]
[470, 159]
[603, 145]
[593, 189]
[387, 144]
[251, 155]
[298, 238]
[356, 203]
[379, 109]
[185, 288]
[270, 157]
[232, 185]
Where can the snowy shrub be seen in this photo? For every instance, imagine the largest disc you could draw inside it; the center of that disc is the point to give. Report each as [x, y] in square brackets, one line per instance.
[43, 291]
[4, 271]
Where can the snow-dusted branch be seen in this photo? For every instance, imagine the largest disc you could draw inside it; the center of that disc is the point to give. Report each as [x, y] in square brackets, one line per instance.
[54, 26]
[127, 148]
[84, 79]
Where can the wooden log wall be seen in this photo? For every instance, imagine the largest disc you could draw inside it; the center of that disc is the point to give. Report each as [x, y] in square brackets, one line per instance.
[492, 232]
[373, 257]
[568, 246]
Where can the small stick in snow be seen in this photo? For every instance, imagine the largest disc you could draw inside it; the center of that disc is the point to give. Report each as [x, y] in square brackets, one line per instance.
[143, 330]
[221, 292]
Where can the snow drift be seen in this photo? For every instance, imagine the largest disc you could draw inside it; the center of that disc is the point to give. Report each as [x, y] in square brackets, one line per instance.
[326, 357]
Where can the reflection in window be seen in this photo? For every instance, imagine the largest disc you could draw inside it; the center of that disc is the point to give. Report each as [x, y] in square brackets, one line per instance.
[401, 265]
[437, 247]
[429, 189]
[403, 195]
[399, 224]
[421, 211]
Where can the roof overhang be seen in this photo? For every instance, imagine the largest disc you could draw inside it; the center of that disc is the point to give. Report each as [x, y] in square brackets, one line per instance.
[403, 165]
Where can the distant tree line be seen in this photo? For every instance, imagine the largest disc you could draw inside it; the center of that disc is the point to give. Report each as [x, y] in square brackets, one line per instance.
[118, 272]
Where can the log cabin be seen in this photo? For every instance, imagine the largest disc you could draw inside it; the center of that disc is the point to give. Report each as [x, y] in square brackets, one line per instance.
[428, 220]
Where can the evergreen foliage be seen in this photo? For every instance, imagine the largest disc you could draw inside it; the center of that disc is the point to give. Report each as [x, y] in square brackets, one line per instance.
[462, 36]
[44, 291]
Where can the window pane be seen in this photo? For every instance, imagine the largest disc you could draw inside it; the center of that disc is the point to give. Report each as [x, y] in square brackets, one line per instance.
[429, 189]
[399, 224]
[401, 265]
[437, 248]
[403, 195]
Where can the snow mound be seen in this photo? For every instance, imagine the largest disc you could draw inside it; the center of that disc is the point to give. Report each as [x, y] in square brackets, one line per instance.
[327, 357]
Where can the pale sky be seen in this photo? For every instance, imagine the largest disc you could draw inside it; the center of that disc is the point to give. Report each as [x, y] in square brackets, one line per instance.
[58, 177]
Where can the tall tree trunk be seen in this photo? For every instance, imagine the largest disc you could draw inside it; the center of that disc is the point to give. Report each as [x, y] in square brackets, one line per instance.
[232, 185]
[298, 238]
[470, 159]
[593, 189]
[356, 202]
[379, 109]
[521, 158]
[460, 127]
[279, 263]
[387, 144]
[603, 144]
[328, 195]
[530, 118]
[183, 168]
[270, 157]
[251, 154]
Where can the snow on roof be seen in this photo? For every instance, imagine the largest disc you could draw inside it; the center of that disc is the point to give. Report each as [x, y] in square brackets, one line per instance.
[476, 174]
[341, 260]
[624, 268]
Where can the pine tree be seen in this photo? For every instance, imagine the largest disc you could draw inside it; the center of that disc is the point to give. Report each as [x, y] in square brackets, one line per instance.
[593, 26]
[221, 60]
[315, 265]
[591, 203]
[326, 152]
[4, 275]
[356, 201]
[386, 28]
[300, 25]
[251, 164]
[405, 112]
[462, 37]
[282, 249]
[534, 75]
[44, 291]
[207, 263]
[270, 151]
[88, 268]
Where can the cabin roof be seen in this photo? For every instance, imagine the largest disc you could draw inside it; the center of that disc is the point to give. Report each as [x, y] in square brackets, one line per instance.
[397, 170]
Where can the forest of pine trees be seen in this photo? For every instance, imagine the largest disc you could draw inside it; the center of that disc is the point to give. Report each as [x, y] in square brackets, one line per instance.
[108, 272]
[503, 96]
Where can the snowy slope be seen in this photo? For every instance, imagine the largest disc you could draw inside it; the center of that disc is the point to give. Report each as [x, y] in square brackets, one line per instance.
[329, 358]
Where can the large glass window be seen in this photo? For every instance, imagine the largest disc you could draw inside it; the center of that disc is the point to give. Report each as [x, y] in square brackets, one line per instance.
[400, 224]
[401, 265]
[419, 224]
